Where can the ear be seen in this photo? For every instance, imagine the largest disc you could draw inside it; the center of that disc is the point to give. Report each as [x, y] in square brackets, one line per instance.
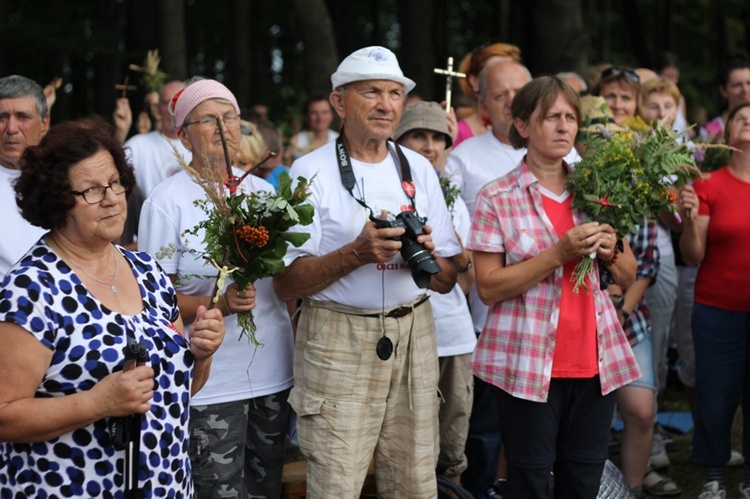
[522, 127]
[337, 101]
[473, 83]
[45, 127]
[183, 136]
[723, 91]
[482, 107]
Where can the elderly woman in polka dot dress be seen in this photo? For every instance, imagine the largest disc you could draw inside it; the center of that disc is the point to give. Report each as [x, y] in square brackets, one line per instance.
[67, 311]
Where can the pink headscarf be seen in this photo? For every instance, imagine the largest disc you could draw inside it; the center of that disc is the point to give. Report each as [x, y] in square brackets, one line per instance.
[187, 99]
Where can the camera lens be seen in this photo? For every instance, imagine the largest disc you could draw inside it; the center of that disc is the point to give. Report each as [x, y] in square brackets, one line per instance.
[419, 260]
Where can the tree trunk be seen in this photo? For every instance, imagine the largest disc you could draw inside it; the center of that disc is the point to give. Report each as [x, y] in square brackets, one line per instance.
[559, 40]
[418, 47]
[172, 39]
[4, 40]
[260, 84]
[321, 56]
[108, 68]
[634, 21]
[239, 51]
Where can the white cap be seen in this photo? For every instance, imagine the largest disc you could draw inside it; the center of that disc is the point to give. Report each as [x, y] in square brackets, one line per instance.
[371, 63]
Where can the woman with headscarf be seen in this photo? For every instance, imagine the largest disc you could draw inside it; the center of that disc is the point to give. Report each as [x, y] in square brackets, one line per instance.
[239, 422]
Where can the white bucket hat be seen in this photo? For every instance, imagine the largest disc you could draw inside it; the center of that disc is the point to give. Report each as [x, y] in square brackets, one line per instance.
[371, 63]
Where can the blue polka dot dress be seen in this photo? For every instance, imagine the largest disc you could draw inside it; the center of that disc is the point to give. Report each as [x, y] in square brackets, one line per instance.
[44, 296]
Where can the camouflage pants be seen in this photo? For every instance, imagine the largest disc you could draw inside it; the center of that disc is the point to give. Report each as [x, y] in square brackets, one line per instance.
[237, 448]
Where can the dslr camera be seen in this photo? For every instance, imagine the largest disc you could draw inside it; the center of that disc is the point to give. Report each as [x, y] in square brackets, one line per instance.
[415, 255]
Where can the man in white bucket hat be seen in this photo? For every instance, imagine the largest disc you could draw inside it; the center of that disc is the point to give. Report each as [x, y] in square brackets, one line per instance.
[366, 364]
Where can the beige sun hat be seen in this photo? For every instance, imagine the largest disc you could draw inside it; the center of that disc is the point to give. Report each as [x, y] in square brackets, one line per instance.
[427, 116]
[596, 113]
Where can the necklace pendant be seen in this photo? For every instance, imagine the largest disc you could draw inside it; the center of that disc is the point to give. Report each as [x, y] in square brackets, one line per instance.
[113, 288]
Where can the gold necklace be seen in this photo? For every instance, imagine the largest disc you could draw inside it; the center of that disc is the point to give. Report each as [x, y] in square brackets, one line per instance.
[111, 285]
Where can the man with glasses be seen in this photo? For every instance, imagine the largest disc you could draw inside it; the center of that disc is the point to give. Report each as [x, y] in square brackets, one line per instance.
[23, 122]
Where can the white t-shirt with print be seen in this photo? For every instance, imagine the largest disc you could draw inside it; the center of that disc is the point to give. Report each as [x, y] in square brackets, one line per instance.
[339, 219]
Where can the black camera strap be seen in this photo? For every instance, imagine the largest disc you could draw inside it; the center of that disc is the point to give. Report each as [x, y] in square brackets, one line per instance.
[347, 174]
[384, 347]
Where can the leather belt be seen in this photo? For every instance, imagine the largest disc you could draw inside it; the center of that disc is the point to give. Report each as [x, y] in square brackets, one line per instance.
[402, 311]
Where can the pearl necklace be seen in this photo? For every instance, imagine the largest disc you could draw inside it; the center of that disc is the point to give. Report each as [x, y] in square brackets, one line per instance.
[111, 285]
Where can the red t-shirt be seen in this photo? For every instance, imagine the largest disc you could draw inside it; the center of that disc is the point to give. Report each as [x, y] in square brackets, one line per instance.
[575, 342]
[724, 276]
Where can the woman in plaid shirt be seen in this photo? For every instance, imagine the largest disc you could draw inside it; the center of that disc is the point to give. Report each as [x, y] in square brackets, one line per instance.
[555, 356]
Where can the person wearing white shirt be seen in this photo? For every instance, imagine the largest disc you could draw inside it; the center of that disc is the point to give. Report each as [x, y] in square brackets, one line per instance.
[23, 122]
[365, 364]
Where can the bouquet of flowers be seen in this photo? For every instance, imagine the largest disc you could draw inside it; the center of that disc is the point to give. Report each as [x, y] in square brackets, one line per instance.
[245, 234]
[626, 177]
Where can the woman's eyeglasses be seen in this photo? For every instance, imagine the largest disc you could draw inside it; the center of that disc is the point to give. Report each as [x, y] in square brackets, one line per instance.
[230, 121]
[94, 195]
[615, 71]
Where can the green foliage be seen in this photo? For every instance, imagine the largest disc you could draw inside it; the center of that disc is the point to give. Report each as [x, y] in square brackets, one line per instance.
[625, 178]
[450, 193]
[249, 235]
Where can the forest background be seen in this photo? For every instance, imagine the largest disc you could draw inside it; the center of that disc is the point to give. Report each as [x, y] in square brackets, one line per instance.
[277, 52]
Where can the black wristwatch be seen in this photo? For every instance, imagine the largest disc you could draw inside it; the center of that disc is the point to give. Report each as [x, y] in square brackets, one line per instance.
[465, 269]
[625, 315]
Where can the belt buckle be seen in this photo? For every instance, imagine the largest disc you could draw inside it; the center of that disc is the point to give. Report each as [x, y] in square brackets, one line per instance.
[399, 312]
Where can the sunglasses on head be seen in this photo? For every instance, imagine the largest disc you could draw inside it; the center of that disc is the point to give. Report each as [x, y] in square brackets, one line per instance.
[615, 71]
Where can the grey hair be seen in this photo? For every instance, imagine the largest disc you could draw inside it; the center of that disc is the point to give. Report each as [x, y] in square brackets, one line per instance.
[16, 87]
[342, 89]
[192, 80]
[486, 70]
[575, 76]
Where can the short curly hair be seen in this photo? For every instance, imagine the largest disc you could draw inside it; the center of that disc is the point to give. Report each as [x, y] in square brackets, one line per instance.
[43, 192]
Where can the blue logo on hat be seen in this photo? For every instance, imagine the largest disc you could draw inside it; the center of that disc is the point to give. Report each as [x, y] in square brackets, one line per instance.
[378, 55]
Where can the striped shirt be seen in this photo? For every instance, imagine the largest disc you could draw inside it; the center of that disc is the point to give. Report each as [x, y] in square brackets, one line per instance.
[517, 345]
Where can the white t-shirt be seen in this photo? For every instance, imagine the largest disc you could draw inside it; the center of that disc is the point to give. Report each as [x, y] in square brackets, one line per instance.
[472, 165]
[301, 140]
[238, 372]
[454, 329]
[19, 235]
[339, 219]
[153, 159]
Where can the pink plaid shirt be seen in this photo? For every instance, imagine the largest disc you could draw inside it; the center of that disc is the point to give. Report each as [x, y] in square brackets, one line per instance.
[517, 344]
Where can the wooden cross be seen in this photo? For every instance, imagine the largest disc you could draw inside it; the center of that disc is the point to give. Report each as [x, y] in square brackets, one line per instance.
[125, 87]
[449, 75]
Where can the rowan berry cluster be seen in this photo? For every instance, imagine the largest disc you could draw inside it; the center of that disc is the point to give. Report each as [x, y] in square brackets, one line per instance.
[256, 235]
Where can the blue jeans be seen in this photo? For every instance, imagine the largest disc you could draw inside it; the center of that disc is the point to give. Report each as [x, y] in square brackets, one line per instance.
[722, 379]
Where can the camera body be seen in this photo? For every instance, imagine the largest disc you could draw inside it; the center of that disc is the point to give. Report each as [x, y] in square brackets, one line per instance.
[416, 256]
